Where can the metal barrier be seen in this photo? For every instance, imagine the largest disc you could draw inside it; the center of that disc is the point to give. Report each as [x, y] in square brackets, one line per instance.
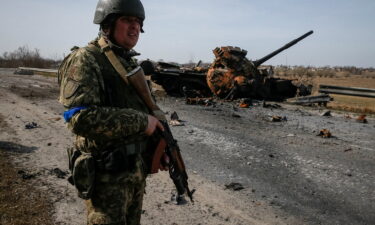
[352, 91]
[32, 71]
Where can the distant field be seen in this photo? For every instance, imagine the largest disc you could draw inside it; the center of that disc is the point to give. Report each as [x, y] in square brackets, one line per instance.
[350, 103]
[343, 102]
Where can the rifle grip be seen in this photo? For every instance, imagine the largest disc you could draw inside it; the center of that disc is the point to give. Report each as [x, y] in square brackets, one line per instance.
[156, 159]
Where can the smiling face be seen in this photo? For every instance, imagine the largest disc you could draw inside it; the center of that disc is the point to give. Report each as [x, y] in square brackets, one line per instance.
[126, 32]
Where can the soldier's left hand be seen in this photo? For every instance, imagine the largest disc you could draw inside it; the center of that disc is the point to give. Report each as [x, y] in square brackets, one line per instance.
[152, 124]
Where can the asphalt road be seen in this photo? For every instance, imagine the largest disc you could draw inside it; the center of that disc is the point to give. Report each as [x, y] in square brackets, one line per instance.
[284, 165]
[319, 180]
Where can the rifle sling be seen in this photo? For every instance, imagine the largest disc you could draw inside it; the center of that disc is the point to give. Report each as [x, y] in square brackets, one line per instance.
[113, 59]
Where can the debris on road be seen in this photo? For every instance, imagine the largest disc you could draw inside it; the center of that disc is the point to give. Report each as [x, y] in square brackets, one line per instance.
[272, 106]
[325, 133]
[175, 121]
[326, 113]
[55, 119]
[278, 118]
[245, 103]
[234, 186]
[236, 115]
[362, 119]
[31, 125]
[58, 173]
[25, 175]
[200, 101]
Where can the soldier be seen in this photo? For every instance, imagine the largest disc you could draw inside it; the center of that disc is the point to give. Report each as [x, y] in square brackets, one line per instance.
[111, 122]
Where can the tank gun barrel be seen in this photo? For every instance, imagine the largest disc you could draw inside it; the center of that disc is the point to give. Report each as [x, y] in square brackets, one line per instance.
[272, 54]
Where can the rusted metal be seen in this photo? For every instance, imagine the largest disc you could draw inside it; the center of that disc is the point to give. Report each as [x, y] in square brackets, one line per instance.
[308, 100]
[362, 118]
[177, 80]
[39, 71]
[325, 133]
[232, 75]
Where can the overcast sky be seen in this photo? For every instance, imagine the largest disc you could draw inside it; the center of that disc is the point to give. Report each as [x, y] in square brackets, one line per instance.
[183, 31]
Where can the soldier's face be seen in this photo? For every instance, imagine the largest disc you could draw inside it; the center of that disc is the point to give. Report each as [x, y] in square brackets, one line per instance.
[127, 30]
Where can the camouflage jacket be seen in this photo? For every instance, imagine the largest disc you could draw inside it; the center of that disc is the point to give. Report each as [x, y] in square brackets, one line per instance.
[114, 114]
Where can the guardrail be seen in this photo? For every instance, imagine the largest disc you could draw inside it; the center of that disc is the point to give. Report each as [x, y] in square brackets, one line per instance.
[308, 100]
[352, 91]
[31, 71]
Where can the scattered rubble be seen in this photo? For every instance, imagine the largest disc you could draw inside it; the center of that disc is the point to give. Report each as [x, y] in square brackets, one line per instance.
[59, 173]
[272, 106]
[175, 121]
[26, 175]
[278, 118]
[245, 102]
[326, 113]
[325, 133]
[31, 125]
[200, 101]
[234, 186]
[361, 119]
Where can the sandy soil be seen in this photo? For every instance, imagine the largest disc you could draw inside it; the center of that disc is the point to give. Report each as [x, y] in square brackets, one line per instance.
[289, 175]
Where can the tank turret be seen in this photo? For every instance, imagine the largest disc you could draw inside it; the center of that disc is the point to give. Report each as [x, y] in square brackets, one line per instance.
[233, 75]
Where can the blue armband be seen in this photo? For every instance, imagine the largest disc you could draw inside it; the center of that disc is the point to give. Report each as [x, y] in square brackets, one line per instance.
[68, 114]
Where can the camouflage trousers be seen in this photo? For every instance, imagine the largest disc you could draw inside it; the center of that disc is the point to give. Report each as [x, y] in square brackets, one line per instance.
[117, 198]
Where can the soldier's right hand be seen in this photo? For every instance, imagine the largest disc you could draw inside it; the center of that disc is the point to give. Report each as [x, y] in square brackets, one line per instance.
[153, 123]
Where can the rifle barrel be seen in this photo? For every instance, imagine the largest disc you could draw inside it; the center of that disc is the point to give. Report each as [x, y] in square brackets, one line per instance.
[272, 54]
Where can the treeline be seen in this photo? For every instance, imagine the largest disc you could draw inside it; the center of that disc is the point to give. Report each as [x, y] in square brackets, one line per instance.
[325, 71]
[25, 57]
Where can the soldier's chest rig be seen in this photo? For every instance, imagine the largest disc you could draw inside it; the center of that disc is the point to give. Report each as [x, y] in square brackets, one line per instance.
[115, 91]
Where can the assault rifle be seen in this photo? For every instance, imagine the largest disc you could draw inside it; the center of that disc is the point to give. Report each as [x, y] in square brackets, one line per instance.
[167, 143]
[176, 166]
[177, 170]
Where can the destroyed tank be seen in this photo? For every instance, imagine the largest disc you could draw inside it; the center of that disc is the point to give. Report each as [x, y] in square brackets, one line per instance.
[232, 75]
[178, 80]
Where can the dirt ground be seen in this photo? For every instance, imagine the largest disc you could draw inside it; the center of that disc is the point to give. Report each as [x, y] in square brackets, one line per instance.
[289, 175]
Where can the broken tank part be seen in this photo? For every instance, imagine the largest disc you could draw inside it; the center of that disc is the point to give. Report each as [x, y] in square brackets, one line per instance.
[232, 75]
[178, 80]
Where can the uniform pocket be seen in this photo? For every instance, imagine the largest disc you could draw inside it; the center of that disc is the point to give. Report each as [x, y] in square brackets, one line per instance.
[70, 89]
[84, 175]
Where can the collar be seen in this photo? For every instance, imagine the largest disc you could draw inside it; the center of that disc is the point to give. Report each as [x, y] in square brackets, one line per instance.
[120, 51]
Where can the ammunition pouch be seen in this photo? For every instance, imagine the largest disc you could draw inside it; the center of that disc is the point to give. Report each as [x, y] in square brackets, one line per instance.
[120, 159]
[82, 167]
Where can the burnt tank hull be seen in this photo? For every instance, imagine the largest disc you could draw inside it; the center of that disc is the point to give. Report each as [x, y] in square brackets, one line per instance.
[177, 80]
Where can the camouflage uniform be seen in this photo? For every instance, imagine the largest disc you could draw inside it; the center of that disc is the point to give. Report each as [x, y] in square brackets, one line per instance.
[113, 119]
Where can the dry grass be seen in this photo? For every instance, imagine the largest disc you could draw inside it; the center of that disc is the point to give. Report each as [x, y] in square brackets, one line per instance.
[349, 103]
[342, 102]
[20, 202]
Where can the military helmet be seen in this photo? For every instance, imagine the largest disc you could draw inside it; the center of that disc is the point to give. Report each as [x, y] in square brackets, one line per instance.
[123, 7]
